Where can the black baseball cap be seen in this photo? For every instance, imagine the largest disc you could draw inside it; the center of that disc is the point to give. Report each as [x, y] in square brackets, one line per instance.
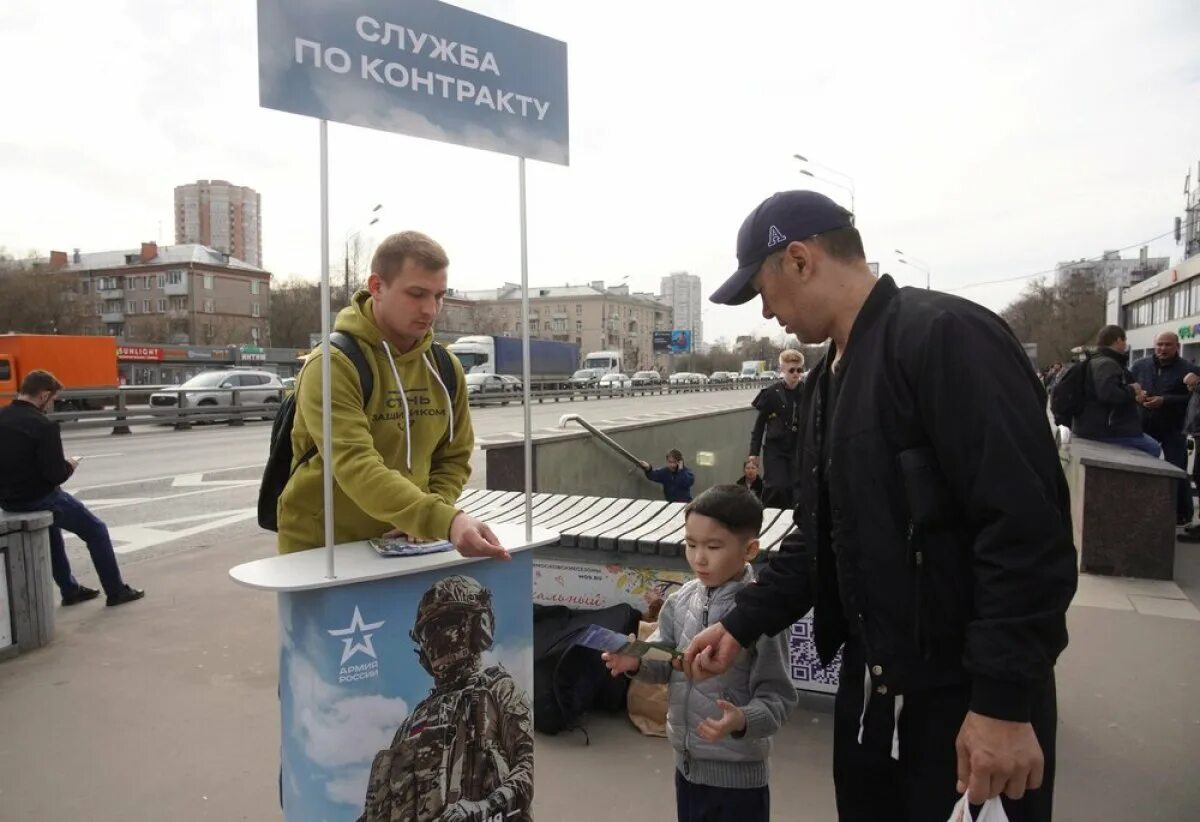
[778, 220]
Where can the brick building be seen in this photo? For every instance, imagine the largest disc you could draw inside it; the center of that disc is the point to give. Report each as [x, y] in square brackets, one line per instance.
[595, 317]
[180, 294]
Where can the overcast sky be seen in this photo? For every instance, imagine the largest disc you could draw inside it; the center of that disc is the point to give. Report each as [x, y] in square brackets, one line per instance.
[990, 140]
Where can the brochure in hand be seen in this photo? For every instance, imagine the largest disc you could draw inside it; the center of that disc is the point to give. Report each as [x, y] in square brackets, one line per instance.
[404, 547]
[603, 639]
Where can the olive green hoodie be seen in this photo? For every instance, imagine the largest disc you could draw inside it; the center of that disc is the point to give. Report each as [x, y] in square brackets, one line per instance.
[401, 464]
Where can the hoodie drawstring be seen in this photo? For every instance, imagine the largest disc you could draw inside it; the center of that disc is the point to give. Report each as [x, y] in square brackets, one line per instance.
[387, 349]
[445, 390]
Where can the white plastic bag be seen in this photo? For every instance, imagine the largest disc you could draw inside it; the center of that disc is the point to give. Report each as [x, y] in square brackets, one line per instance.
[992, 811]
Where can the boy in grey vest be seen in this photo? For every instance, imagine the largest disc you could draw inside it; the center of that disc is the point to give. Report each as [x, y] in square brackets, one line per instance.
[720, 727]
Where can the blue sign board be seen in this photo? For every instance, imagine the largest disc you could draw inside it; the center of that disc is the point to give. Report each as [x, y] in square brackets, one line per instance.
[422, 68]
[681, 341]
[365, 728]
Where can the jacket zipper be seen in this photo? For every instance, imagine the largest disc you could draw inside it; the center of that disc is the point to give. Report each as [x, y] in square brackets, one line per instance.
[918, 560]
[687, 699]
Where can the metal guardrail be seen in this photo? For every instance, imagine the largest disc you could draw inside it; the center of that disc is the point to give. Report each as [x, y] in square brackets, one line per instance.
[602, 392]
[118, 411]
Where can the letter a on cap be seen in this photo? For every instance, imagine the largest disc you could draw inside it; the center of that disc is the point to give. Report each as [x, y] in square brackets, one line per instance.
[775, 237]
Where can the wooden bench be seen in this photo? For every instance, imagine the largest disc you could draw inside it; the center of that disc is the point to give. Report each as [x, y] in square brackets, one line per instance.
[1122, 509]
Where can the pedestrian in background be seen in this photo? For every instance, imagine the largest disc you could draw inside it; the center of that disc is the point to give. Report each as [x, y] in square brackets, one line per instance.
[32, 469]
[1161, 376]
[776, 431]
[675, 478]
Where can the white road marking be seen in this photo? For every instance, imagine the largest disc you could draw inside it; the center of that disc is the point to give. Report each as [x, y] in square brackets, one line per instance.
[130, 538]
[258, 465]
[197, 480]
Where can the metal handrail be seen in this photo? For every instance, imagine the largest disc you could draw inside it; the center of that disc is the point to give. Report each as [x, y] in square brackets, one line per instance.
[600, 435]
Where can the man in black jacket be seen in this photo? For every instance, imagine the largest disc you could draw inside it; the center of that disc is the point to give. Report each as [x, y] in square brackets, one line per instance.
[934, 535]
[776, 429]
[1111, 397]
[32, 467]
[1162, 376]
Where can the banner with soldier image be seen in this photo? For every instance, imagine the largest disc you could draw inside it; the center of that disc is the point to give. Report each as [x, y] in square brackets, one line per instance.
[408, 698]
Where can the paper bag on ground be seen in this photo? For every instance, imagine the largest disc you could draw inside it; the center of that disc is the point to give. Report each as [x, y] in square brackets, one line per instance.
[647, 704]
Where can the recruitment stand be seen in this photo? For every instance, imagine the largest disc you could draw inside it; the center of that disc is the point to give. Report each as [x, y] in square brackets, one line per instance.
[350, 675]
[361, 725]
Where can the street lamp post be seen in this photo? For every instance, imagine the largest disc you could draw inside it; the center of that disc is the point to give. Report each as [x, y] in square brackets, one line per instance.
[846, 186]
[346, 247]
[915, 262]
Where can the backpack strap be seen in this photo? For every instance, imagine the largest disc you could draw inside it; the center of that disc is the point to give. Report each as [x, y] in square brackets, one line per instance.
[445, 367]
[348, 345]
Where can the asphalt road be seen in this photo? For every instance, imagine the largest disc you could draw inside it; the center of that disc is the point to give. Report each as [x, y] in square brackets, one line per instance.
[162, 491]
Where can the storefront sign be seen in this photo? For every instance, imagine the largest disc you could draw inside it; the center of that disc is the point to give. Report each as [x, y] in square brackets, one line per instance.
[139, 353]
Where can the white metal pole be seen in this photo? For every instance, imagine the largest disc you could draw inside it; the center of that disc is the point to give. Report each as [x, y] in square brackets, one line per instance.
[525, 359]
[326, 392]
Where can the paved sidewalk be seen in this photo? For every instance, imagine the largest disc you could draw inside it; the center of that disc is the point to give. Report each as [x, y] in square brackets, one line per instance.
[166, 709]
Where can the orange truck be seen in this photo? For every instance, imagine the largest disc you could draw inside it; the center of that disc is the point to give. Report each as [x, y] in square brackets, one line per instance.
[78, 362]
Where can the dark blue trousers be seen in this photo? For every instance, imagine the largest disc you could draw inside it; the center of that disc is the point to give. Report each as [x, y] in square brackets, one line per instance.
[704, 803]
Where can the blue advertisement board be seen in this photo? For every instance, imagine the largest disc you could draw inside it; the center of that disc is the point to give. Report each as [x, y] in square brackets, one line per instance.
[405, 697]
[681, 341]
[423, 68]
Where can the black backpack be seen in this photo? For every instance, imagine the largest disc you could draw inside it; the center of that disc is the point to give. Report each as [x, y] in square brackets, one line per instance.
[1069, 393]
[279, 468]
[569, 679]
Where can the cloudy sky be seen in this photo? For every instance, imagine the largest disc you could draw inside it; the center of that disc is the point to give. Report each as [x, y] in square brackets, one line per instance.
[990, 140]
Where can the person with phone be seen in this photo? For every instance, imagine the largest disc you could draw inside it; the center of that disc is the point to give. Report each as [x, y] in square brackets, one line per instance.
[675, 478]
[32, 469]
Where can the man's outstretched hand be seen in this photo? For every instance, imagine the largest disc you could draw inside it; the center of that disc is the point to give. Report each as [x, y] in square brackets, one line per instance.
[473, 538]
[711, 652]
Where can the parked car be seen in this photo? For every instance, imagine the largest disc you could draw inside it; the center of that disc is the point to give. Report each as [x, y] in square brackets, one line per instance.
[684, 378]
[644, 378]
[514, 384]
[585, 378]
[721, 377]
[615, 382]
[486, 386]
[768, 376]
[214, 388]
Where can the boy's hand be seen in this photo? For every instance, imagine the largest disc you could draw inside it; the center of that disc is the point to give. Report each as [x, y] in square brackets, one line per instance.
[732, 720]
[645, 466]
[618, 664]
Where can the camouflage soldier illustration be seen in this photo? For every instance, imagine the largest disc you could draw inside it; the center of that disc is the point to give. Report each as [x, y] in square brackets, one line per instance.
[465, 753]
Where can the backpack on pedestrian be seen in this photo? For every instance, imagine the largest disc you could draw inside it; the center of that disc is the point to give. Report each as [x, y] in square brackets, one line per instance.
[1069, 393]
[279, 468]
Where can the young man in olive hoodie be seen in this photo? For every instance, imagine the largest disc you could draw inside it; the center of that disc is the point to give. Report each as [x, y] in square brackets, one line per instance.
[400, 463]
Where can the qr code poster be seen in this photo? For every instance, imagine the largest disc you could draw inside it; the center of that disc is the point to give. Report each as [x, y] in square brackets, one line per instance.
[807, 672]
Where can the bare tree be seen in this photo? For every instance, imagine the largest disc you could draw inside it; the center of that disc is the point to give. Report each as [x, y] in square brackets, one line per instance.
[40, 300]
[1058, 317]
[295, 313]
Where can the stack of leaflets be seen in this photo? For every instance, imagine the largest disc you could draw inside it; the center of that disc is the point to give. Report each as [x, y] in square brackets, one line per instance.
[404, 547]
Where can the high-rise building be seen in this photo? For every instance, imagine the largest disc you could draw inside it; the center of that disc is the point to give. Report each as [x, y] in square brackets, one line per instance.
[220, 215]
[1110, 271]
[181, 294]
[684, 293]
